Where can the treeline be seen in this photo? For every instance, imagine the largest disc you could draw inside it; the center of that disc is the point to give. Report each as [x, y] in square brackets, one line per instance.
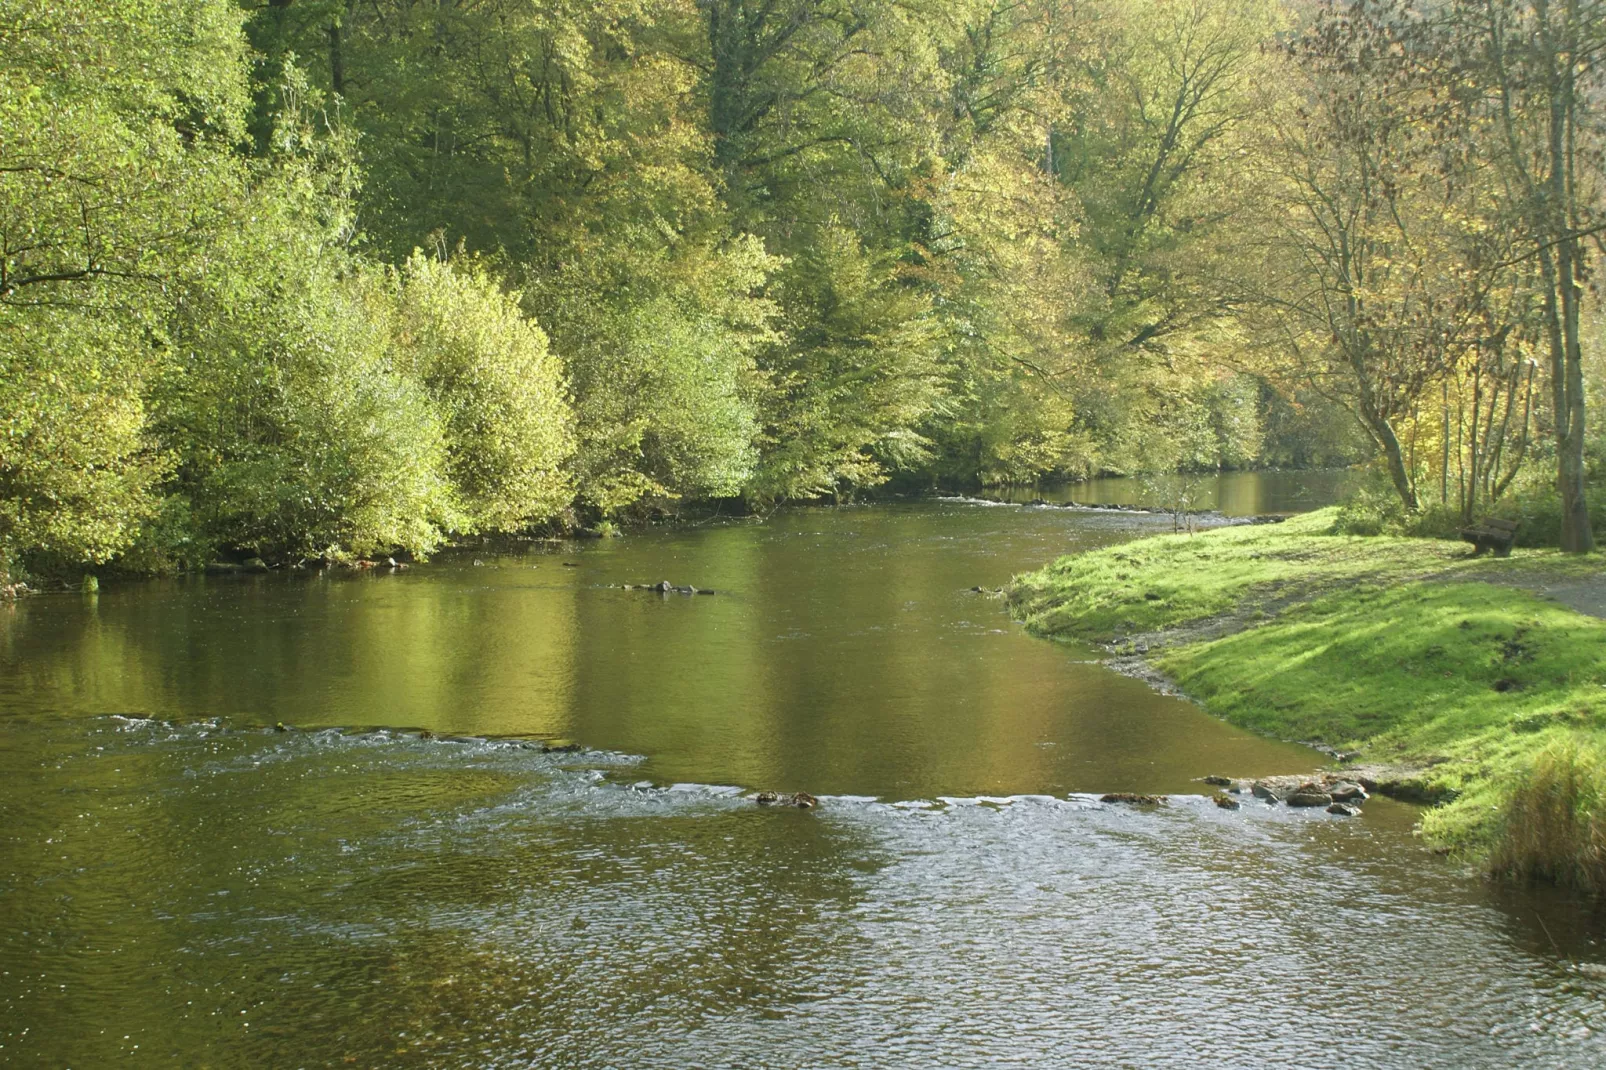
[326, 277]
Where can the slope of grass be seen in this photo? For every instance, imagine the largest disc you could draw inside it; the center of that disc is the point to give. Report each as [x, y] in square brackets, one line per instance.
[1172, 580]
[1398, 648]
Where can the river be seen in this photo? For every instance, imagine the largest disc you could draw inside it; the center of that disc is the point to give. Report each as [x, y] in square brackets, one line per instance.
[185, 885]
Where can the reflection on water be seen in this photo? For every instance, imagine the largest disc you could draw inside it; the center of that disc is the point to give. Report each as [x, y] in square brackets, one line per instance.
[844, 652]
[199, 889]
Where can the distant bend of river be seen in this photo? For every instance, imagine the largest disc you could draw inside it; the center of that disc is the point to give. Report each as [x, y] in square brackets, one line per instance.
[184, 885]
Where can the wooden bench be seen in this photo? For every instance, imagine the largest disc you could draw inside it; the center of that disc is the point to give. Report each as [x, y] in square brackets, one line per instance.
[1491, 534]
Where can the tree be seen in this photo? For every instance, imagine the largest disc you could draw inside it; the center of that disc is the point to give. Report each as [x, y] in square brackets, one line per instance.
[1158, 147]
[857, 377]
[1502, 89]
[1382, 273]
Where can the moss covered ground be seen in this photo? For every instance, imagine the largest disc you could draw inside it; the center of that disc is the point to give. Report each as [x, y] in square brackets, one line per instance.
[1406, 651]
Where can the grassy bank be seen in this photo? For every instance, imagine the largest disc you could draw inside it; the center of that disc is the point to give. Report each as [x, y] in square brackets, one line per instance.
[1484, 693]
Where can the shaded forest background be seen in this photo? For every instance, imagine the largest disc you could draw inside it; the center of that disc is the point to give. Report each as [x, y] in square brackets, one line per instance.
[328, 278]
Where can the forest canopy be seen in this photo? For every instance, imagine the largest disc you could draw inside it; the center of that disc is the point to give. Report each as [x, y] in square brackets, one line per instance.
[330, 278]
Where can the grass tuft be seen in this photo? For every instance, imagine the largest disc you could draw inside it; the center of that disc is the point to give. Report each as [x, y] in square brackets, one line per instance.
[1555, 820]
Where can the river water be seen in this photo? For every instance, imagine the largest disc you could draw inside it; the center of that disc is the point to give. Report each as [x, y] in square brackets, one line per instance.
[183, 885]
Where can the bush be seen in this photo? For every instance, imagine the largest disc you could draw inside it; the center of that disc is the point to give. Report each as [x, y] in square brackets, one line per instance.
[1554, 825]
[1372, 510]
[1375, 509]
[497, 390]
[78, 472]
[1537, 505]
[298, 433]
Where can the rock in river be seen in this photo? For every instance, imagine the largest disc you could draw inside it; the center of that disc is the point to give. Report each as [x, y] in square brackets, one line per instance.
[1310, 798]
[1344, 809]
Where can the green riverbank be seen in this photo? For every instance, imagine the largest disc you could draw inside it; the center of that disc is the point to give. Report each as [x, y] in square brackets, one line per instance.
[1464, 679]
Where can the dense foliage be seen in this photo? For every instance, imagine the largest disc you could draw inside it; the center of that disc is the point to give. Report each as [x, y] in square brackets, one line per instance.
[316, 278]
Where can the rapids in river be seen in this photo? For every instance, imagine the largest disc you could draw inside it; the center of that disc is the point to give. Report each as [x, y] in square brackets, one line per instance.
[184, 885]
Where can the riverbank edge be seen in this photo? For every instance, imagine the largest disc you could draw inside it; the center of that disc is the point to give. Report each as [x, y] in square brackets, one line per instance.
[1438, 677]
[242, 561]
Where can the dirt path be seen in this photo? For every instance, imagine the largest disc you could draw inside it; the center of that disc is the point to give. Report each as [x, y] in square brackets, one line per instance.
[1586, 596]
[1585, 593]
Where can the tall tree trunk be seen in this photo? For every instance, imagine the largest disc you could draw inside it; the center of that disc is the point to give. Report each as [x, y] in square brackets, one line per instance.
[1550, 204]
[1561, 275]
[337, 60]
[1395, 459]
[1381, 428]
[729, 42]
[1444, 436]
[1382, 431]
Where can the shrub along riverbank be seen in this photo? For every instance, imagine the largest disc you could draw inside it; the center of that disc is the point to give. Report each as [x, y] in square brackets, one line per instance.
[1459, 673]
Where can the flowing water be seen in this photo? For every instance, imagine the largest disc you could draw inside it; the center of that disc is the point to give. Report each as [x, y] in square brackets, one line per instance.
[183, 885]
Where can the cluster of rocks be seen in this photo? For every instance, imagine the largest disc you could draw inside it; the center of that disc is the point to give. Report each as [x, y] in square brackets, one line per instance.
[547, 745]
[1043, 503]
[665, 587]
[1213, 515]
[1132, 798]
[1330, 791]
[801, 800]
[256, 564]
